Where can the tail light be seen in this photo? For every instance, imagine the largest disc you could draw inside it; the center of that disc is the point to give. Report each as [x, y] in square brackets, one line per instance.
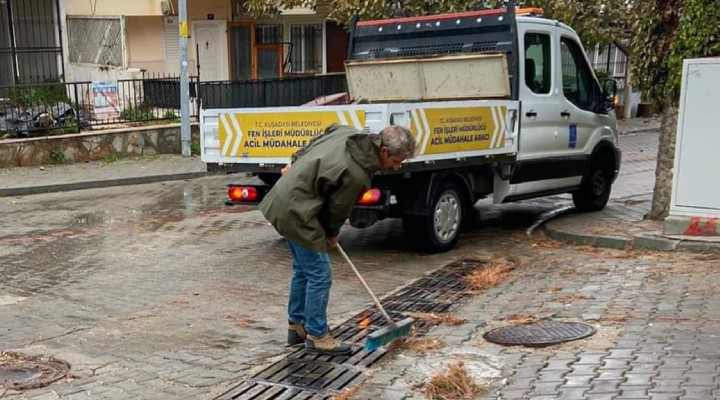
[242, 193]
[370, 197]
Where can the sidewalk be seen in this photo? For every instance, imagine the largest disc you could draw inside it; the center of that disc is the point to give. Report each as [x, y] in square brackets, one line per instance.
[132, 171]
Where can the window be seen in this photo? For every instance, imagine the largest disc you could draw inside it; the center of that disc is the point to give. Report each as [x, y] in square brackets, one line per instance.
[95, 41]
[579, 86]
[269, 34]
[306, 42]
[538, 63]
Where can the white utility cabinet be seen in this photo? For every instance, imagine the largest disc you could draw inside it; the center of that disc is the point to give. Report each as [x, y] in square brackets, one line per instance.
[696, 182]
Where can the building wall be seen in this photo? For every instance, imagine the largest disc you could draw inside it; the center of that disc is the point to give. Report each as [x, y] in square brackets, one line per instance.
[146, 29]
[113, 7]
[144, 41]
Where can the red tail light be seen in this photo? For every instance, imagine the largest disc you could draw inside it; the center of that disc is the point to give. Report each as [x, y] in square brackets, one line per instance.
[242, 193]
[370, 197]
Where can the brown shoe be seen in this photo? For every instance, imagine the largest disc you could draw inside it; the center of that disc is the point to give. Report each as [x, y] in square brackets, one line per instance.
[296, 334]
[326, 345]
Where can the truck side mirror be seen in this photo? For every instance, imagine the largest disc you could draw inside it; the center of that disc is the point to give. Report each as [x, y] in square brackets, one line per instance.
[609, 91]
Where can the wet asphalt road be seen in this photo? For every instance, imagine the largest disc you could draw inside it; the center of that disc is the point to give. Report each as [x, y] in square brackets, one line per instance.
[162, 288]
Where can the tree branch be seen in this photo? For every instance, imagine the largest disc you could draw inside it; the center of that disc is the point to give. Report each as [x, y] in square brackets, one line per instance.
[622, 47]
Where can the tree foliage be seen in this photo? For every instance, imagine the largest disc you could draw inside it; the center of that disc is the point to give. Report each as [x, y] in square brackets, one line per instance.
[666, 32]
[596, 21]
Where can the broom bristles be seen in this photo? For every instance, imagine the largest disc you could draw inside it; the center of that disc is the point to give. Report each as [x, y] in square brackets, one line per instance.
[386, 335]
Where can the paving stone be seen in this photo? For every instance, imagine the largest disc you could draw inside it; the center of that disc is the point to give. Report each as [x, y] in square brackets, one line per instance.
[610, 375]
[584, 369]
[515, 394]
[590, 358]
[605, 386]
[558, 365]
[642, 357]
[609, 364]
[634, 391]
[710, 367]
[601, 396]
[572, 393]
[644, 368]
[578, 380]
[671, 373]
[518, 383]
[699, 392]
[552, 376]
[632, 379]
[699, 379]
[542, 388]
[665, 395]
[621, 353]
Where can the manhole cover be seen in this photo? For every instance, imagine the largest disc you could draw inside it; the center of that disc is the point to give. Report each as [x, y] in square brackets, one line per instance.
[541, 333]
[21, 372]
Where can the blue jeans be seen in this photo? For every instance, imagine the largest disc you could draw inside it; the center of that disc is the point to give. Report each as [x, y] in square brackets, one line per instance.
[309, 289]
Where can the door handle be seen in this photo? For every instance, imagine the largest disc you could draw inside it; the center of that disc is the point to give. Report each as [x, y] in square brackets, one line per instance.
[531, 114]
[565, 114]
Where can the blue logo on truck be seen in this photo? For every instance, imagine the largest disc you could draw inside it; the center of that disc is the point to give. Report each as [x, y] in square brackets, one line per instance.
[573, 137]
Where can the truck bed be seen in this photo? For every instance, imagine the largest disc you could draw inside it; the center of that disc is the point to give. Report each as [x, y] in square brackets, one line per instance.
[263, 139]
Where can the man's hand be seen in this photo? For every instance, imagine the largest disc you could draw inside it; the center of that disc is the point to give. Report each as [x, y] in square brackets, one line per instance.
[332, 242]
[285, 169]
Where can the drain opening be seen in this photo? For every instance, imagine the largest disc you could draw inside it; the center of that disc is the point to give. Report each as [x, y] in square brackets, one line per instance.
[542, 333]
[23, 372]
[302, 376]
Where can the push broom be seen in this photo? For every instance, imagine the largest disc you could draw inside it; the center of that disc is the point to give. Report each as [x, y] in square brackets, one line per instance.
[385, 335]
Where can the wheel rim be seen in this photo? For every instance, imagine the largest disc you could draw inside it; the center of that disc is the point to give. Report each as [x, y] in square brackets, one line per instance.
[447, 217]
[598, 184]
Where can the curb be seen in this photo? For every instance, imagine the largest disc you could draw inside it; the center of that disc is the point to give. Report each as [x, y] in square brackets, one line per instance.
[637, 131]
[30, 190]
[647, 242]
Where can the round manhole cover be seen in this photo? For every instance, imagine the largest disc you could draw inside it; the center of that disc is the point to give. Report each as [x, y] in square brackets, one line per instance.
[21, 372]
[540, 333]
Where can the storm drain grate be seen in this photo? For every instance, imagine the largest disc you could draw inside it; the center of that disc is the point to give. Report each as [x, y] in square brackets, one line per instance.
[303, 376]
[22, 372]
[539, 334]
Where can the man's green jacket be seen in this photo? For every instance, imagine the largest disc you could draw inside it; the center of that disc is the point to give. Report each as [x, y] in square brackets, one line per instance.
[311, 202]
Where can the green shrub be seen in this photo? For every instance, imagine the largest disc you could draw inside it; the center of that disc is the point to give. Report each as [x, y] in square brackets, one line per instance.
[136, 114]
[33, 96]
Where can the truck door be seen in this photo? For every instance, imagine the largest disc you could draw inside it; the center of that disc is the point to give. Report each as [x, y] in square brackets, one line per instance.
[580, 97]
[540, 99]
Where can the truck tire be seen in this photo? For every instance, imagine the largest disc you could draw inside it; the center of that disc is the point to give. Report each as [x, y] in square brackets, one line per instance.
[439, 231]
[595, 188]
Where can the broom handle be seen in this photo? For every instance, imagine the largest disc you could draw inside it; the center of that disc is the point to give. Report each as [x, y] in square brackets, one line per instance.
[370, 292]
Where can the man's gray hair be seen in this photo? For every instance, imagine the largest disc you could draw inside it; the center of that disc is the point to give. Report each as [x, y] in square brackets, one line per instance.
[399, 141]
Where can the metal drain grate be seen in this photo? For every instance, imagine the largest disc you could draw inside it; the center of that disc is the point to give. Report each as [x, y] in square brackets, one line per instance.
[23, 372]
[302, 376]
[539, 334]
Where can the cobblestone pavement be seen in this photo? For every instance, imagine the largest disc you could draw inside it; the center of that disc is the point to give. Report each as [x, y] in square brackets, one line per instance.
[657, 329]
[158, 291]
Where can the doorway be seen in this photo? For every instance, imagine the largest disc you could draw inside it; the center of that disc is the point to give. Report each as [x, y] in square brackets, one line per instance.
[211, 45]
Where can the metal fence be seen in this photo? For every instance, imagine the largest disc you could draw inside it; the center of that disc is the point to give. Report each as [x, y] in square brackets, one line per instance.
[30, 41]
[39, 109]
[270, 92]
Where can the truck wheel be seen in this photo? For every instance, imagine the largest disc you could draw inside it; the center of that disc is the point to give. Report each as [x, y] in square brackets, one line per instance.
[440, 231]
[595, 189]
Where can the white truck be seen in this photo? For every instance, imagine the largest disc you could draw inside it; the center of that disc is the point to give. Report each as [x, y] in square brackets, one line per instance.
[503, 103]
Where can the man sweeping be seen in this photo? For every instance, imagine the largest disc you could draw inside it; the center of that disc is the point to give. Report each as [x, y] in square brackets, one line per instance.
[309, 205]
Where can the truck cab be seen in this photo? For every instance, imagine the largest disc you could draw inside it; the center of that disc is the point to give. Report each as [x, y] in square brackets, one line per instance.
[565, 113]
